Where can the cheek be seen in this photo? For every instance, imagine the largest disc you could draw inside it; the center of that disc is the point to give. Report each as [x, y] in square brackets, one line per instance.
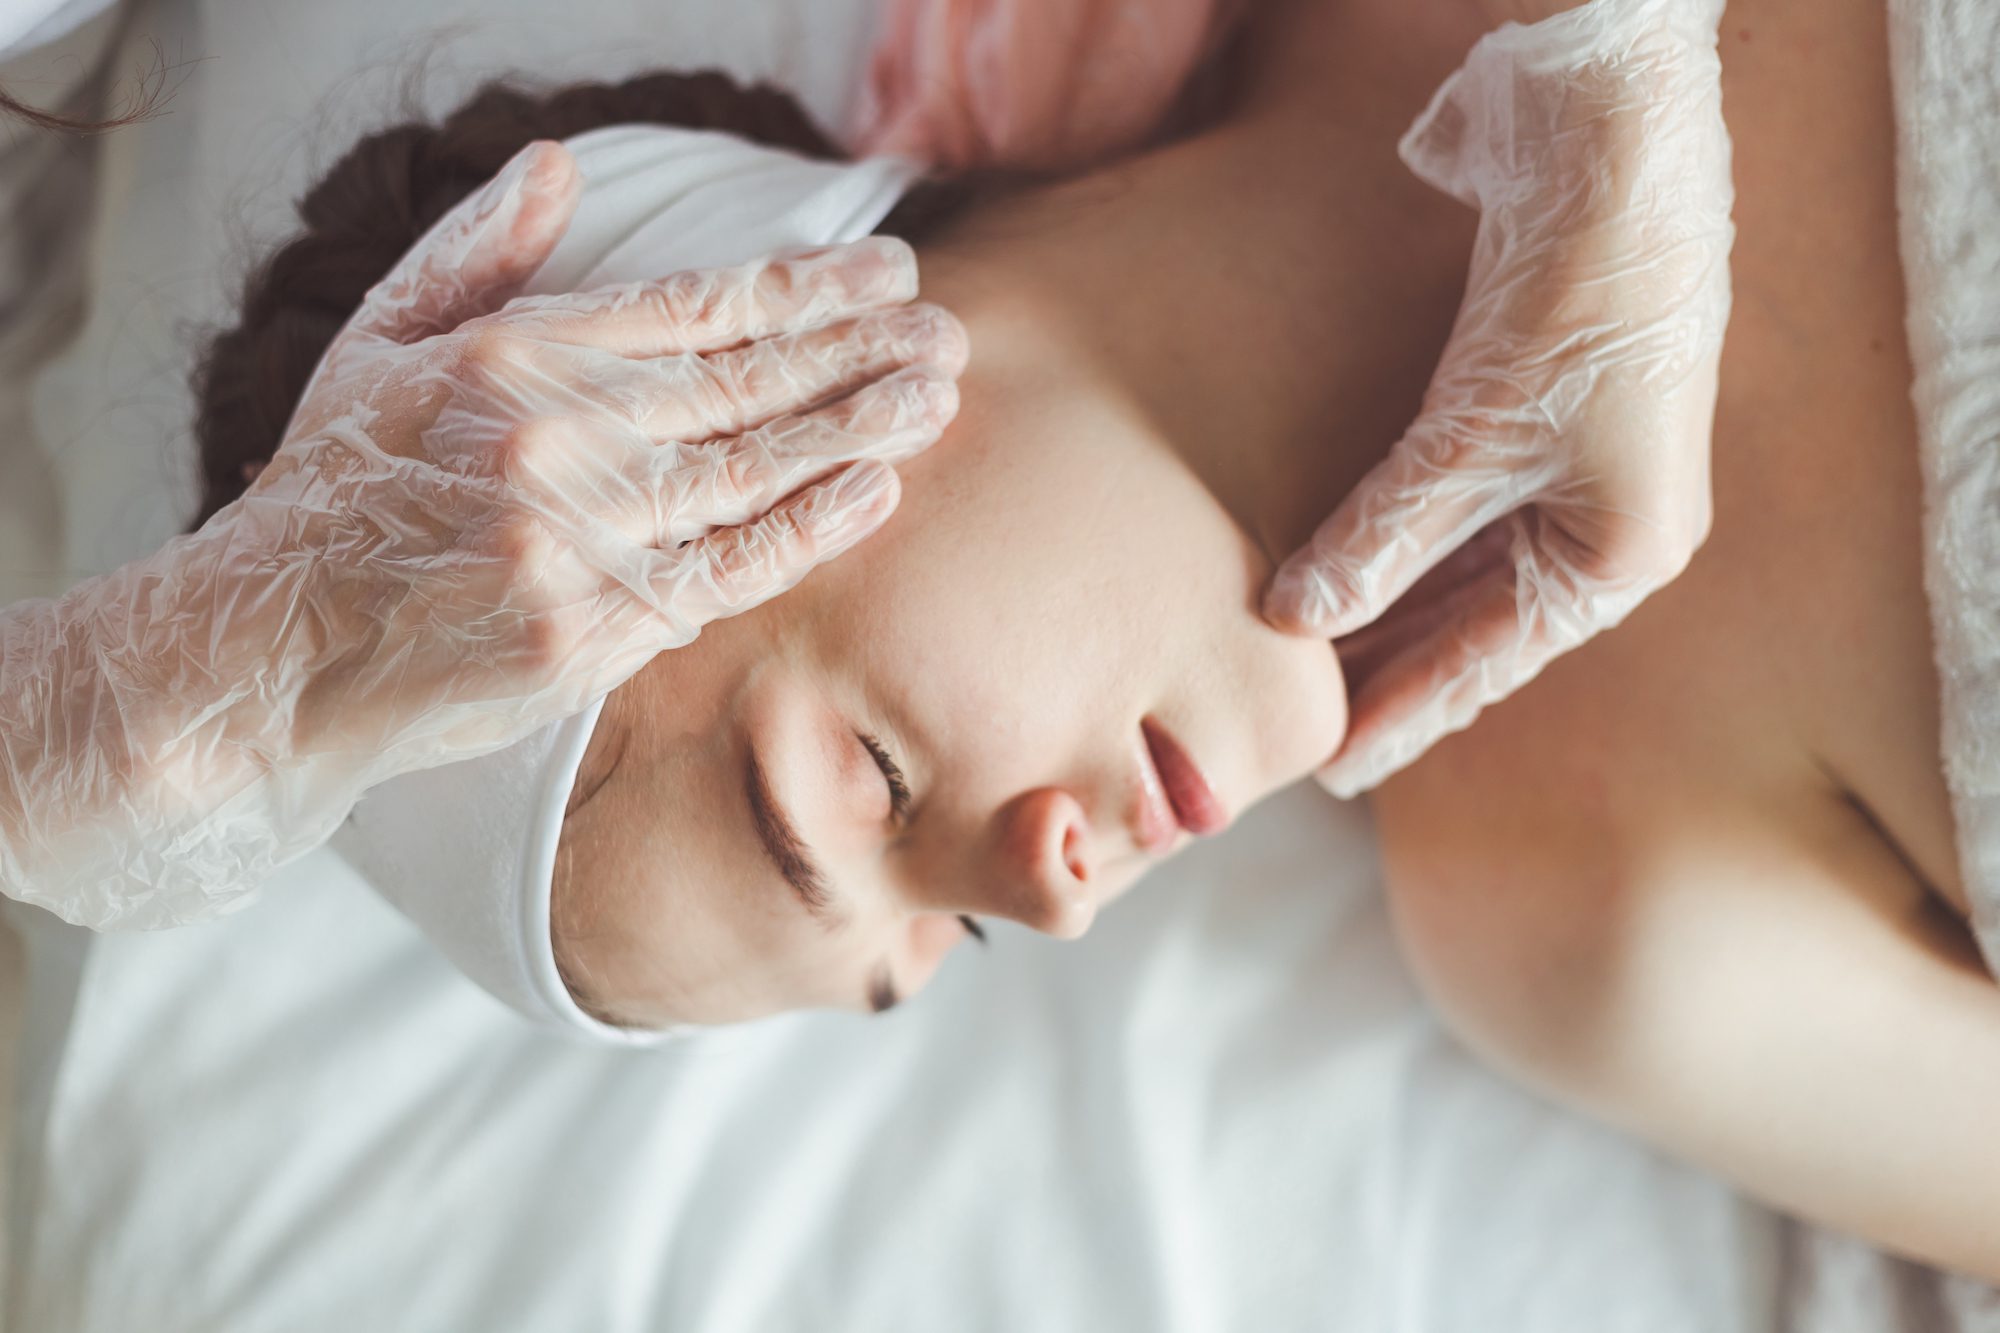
[664, 921]
[650, 912]
[627, 935]
[1286, 696]
[1303, 714]
[1008, 569]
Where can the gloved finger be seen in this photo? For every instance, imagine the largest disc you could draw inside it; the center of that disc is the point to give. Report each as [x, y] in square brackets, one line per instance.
[1480, 644]
[578, 473]
[595, 478]
[691, 398]
[889, 421]
[476, 256]
[1429, 600]
[708, 310]
[1427, 498]
[734, 569]
[1487, 639]
[739, 390]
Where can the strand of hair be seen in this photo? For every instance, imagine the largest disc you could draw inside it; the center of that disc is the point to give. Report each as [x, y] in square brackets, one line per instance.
[150, 98]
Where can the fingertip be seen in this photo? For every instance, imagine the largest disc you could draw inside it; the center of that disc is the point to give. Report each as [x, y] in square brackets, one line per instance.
[860, 275]
[540, 170]
[1340, 781]
[954, 346]
[1300, 602]
[898, 260]
[865, 493]
[550, 186]
[1281, 610]
[847, 507]
[548, 167]
[901, 415]
[936, 392]
[916, 335]
[1357, 768]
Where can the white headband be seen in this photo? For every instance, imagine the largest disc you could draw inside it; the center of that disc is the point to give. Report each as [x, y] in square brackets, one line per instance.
[466, 851]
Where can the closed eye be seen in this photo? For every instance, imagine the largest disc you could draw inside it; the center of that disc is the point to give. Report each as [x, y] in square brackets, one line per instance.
[900, 800]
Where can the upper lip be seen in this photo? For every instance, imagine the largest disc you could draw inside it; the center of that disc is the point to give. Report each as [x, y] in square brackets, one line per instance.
[1176, 778]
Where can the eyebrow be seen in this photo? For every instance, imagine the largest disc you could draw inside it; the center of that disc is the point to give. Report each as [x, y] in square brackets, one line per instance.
[794, 860]
[787, 850]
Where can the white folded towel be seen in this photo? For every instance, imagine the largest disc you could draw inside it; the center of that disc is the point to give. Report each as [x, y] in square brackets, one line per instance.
[1945, 61]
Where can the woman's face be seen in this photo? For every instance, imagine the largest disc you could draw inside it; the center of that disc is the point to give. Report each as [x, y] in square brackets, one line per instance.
[967, 718]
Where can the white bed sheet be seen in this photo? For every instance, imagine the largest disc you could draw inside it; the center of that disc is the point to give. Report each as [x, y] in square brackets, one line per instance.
[1226, 1109]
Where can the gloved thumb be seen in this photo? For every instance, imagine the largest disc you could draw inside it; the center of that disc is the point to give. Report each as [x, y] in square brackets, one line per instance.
[477, 256]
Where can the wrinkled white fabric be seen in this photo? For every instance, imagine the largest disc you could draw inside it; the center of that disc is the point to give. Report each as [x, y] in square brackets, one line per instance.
[1948, 192]
[466, 850]
[1567, 426]
[657, 199]
[1226, 1108]
[464, 537]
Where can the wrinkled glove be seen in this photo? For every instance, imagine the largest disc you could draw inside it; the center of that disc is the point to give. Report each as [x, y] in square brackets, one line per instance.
[468, 533]
[1028, 84]
[1561, 458]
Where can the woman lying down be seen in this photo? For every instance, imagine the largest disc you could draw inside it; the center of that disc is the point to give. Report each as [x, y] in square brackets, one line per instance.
[1699, 879]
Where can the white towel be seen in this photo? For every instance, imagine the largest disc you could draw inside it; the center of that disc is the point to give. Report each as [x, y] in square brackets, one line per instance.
[1945, 60]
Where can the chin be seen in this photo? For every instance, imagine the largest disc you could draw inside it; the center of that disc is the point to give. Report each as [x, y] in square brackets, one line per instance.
[1300, 727]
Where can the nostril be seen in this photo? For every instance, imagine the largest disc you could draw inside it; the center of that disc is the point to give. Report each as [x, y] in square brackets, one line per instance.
[1045, 872]
[1072, 854]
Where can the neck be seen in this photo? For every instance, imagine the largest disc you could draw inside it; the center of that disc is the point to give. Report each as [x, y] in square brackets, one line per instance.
[1269, 296]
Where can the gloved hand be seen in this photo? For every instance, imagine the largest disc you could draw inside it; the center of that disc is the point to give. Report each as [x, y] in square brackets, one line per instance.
[465, 535]
[1028, 84]
[1567, 427]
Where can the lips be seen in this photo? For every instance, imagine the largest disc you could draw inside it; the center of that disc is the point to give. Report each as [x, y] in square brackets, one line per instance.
[1194, 803]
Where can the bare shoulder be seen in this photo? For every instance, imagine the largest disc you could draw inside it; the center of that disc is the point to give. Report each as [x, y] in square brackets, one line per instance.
[1731, 962]
[1528, 857]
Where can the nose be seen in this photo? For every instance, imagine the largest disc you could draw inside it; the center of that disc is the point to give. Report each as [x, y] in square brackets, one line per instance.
[1040, 870]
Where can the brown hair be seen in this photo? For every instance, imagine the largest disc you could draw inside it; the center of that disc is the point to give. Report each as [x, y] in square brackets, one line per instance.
[49, 120]
[153, 88]
[385, 193]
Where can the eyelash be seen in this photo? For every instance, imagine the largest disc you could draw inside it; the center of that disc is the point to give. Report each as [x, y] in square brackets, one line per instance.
[899, 786]
[900, 801]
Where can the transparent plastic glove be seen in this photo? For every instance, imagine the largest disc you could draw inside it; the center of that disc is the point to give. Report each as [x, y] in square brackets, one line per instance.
[1568, 424]
[465, 535]
[1038, 84]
